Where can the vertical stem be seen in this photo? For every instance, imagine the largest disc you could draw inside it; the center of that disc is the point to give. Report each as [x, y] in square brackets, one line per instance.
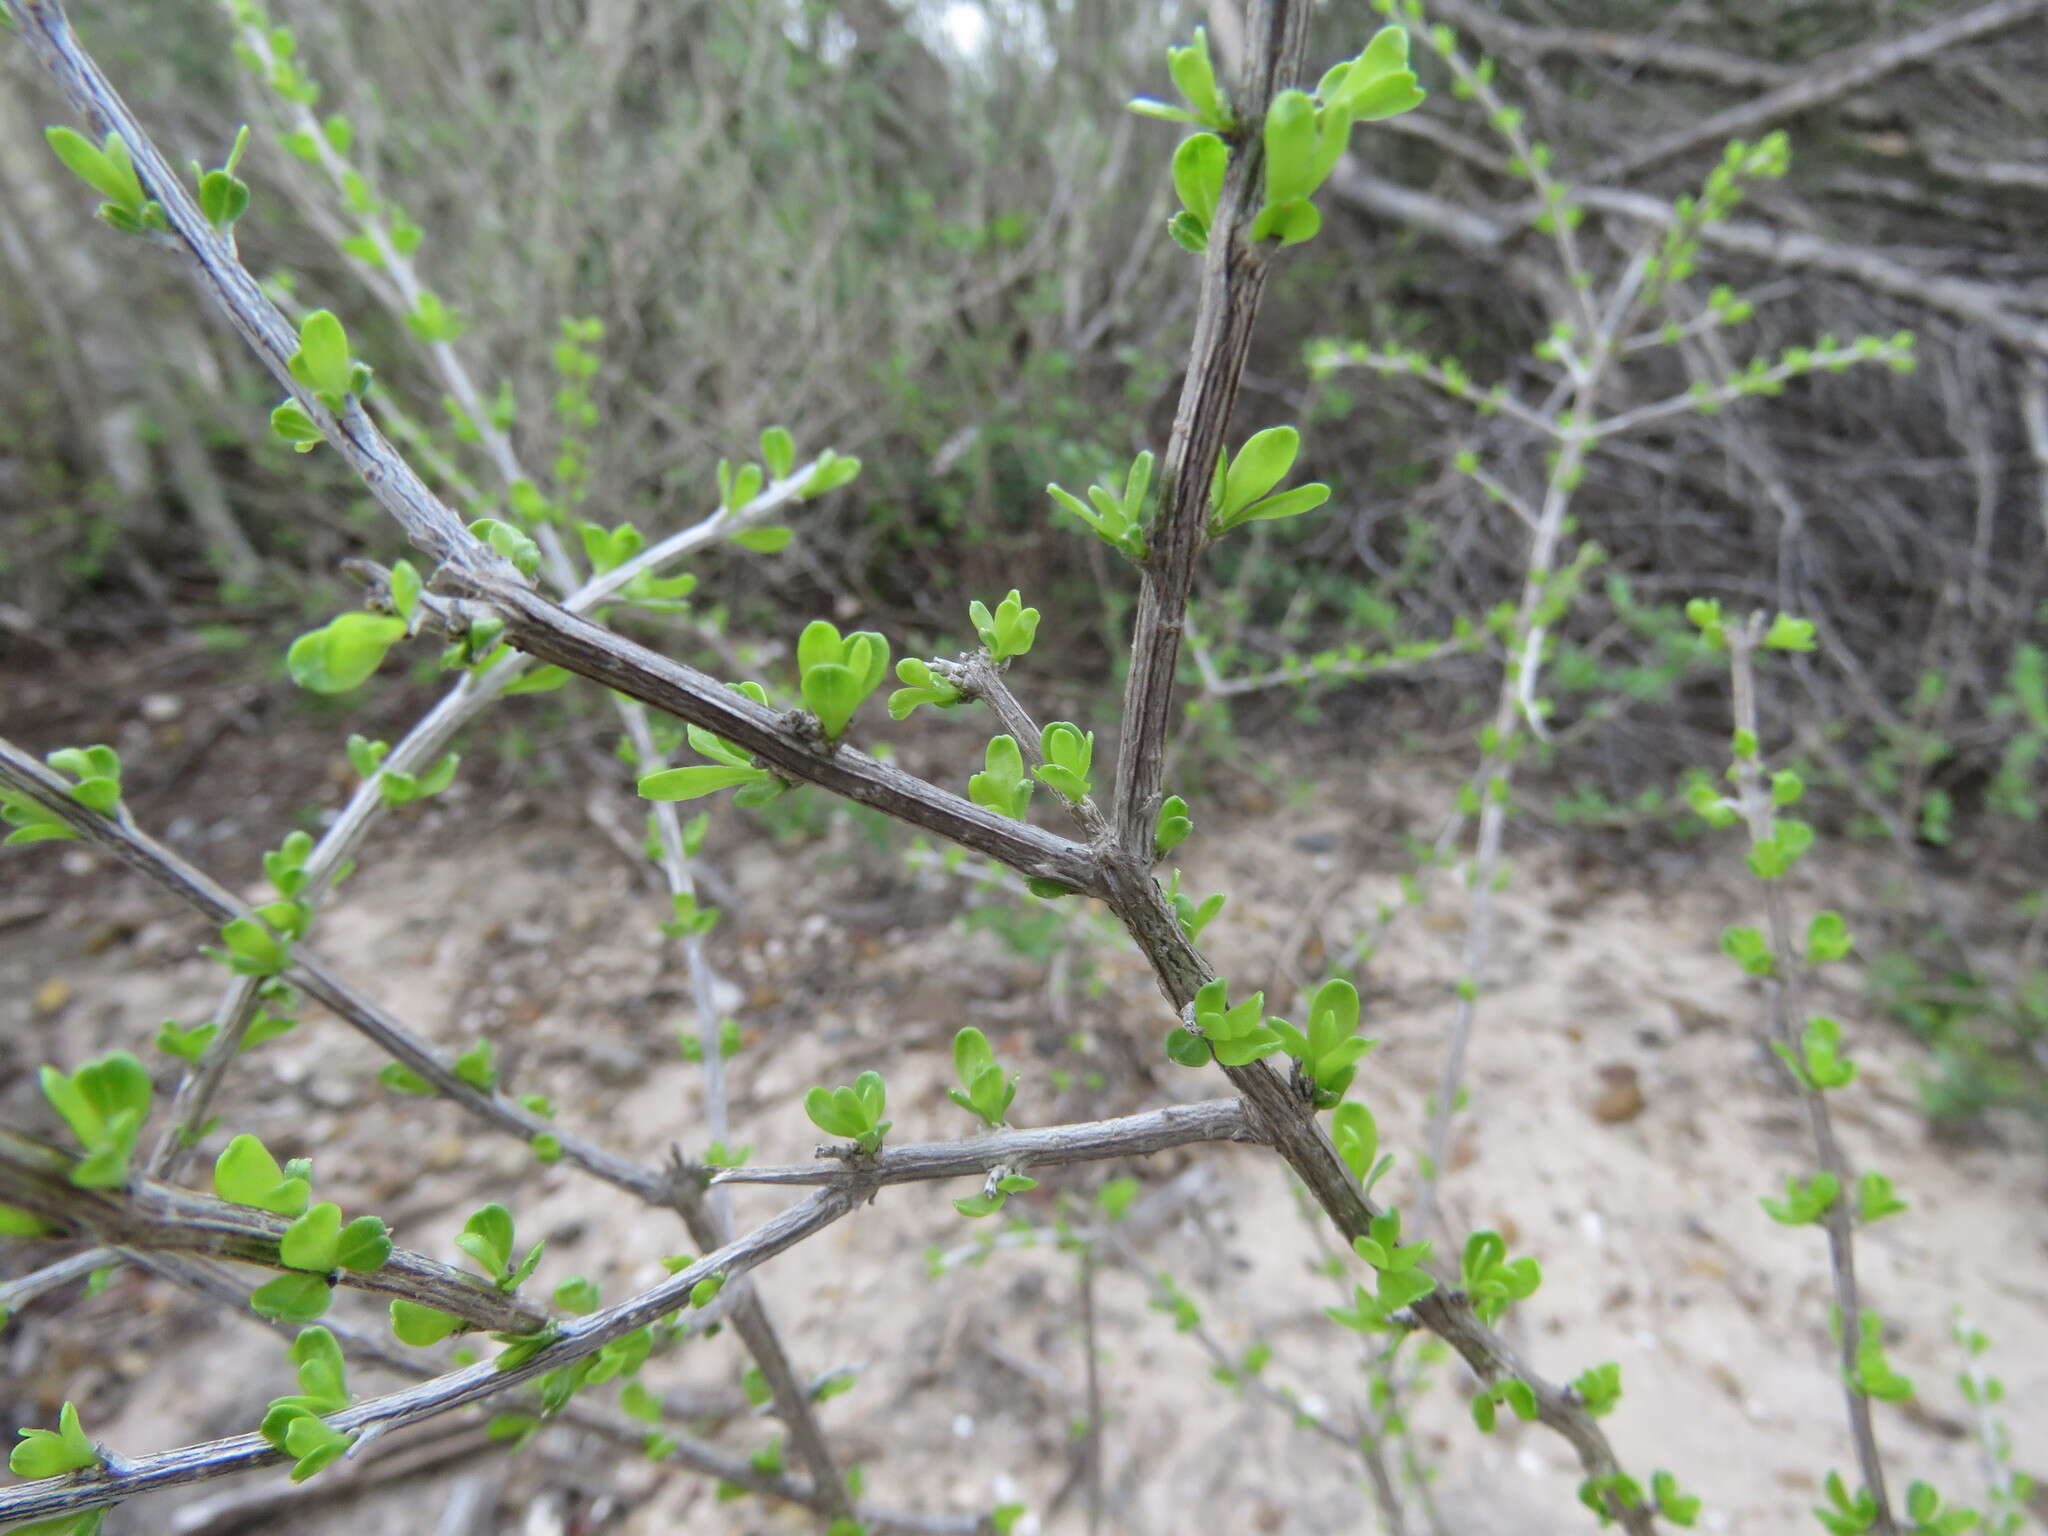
[1233, 280]
[1092, 1346]
[1782, 1003]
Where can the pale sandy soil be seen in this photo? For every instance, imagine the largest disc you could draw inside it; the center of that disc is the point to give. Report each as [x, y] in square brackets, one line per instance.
[1646, 1220]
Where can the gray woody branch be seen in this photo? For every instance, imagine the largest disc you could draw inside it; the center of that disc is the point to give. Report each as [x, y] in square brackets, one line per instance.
[1048, 1147]
[1232, 282]
[163, 1218]
[629, 1434]
[98, 1488]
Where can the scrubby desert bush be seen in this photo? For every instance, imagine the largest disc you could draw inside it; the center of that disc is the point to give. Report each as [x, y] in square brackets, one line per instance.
[534, 583]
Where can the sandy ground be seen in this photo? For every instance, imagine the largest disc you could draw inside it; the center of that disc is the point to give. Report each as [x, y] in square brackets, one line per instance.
[1623, 1122]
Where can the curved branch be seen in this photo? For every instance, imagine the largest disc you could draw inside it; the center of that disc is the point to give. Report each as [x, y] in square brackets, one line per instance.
[162, 1218]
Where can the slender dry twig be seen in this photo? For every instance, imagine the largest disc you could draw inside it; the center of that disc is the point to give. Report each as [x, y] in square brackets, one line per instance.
[1365, 1444]
[1782, 1007]
[18, 1293]
[708, 1220]
[708, 1213]
[1177, 1125]
[1565, 421]
[1091, 1348]
[983, 679]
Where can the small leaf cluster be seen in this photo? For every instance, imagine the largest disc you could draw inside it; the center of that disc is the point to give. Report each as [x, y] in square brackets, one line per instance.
[1512, 1390]
[1236, 1034]
[54, 1452]
[1872, 1374]
[323, 366]
[1844, 1514]
[1786, 633]
[1200, 160]
[1001, 785]
[395, 786]
[839, 672]
[853, 1111]
[622, 1357]
[105, 1102]
[267, 51]
[1117, 516]
[1356, 1136]
[988, 1201]
[1199, 164]
[737, 489]
[1069, 753]
[1741, 164]
[1306, 135]
[488, 1238]
[1930, 1518]
[833, 471]
[110, 171]
[921, 686]
[510, 541]
[1598, 1389]
[1240, 491]
[296, 1424]
[98, 773]
[1009, 631]
[1818, 1061]
[261, 944]
[315, 1245]
[1170, 828]
[343, 653]
[1191, 915]
[432, 318]
[985, 1090]
[1491, 1279]
[690, 919]
[730, 767]
[1806, 1202]
[224, 196]
[1402, 1279]
[692, 1048]
[1194, 75]
[1331, 1048]
[1609, 1492]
